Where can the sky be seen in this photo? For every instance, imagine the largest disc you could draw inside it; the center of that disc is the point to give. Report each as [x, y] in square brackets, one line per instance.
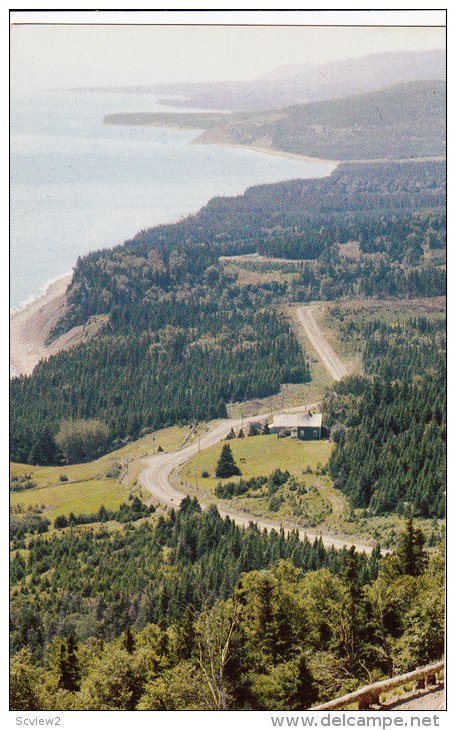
[49, 56]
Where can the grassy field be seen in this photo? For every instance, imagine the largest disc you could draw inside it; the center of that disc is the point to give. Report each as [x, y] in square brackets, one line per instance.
[261, 456]
[85, 487]
[258, 455]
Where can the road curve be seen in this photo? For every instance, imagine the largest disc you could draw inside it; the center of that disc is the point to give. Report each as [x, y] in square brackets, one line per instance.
[330, 360]
[156, 479]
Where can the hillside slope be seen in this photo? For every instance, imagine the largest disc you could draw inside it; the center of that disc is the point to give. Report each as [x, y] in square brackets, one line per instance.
[297, 83]
[403, 121]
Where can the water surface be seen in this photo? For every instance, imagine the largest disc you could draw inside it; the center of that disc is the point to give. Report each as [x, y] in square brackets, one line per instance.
[78, 185]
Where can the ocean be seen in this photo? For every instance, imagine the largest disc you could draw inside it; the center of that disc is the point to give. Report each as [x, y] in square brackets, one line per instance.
[78, 185]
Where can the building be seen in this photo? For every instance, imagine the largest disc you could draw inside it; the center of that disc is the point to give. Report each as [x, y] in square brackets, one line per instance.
[304, 426]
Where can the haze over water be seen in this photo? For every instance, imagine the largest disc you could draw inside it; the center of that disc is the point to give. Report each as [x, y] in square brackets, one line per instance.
[78, 185]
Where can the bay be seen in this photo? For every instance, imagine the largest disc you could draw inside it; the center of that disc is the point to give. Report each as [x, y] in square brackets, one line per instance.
[78, 185]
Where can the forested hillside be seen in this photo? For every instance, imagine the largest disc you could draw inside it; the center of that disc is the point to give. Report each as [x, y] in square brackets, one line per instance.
[390, 425]
[403, 121]
[391, 208]
[180, 359]
[137, 618]
[182, 338]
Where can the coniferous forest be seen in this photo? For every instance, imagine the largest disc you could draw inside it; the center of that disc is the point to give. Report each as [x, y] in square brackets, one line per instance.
[181, 338]
[186, 610]
[391, 446]
[193, 612]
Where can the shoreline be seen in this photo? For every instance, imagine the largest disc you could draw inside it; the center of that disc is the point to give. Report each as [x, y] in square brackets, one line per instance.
[272, 152]
[31, 323]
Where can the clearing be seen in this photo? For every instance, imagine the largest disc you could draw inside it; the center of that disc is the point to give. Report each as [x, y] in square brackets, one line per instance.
[85, 487]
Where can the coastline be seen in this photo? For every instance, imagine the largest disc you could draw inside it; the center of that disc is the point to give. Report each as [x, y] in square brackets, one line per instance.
[31, 323]
[270, 151]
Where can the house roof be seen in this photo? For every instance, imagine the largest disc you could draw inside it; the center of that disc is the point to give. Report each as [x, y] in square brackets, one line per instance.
[296, 420]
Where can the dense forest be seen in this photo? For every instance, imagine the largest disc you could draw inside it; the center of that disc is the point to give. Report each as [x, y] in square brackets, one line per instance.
[193, 612]
[179, 360]
[181, 338]
[390, 425]
[372, 201]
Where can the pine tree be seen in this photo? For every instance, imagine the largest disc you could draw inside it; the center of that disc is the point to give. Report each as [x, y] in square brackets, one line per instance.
[69, 669]
[129, 641]
[44, 449]
[226, 466]
[410, 555]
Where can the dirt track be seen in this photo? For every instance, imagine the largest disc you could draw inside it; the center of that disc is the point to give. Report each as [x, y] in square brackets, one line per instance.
[330, 360]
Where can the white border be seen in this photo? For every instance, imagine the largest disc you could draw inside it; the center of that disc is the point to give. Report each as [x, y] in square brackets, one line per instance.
[358, 16]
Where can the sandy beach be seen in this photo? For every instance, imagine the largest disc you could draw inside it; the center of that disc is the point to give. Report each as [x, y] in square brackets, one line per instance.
[30, 326]
[275, 153]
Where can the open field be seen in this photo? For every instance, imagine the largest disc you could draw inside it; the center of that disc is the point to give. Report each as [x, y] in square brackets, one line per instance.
[264, 454]
[107, 481]
[261, 455]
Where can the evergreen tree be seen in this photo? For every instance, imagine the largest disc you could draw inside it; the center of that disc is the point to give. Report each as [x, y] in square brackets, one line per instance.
[69, 671]
[226, 466]
[410, 555]
[129, 641]
[44, 450]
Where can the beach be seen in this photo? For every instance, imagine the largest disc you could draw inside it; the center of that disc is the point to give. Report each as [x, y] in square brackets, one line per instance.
[30, 326]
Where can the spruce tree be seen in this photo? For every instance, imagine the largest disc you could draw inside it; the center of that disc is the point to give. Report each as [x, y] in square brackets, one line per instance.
[69, 669]
[410, 554]
[226, 466]
[129, 641]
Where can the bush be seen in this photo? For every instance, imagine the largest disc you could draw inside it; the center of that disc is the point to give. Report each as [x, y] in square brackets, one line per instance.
[205, 474]
[63, 478]
[82, 440]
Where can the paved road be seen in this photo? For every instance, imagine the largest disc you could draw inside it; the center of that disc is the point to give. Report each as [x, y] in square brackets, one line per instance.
[156, 478]
[330, 360]
[429, 700]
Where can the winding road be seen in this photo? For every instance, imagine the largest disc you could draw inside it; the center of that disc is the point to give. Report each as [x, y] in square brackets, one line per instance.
[156, 479]
[156, 476]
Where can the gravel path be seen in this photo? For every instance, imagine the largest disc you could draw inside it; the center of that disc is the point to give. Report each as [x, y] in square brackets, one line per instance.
[330, 360]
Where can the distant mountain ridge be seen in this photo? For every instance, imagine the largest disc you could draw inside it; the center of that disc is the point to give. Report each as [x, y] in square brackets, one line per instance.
[303, 82]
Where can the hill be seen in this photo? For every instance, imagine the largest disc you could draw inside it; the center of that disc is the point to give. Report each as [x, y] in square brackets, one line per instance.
[182, 337]
[403, 121]
[303, 83]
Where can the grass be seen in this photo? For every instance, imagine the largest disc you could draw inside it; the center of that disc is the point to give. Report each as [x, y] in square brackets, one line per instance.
[259, 455]
[80, 497]
[88, 486]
